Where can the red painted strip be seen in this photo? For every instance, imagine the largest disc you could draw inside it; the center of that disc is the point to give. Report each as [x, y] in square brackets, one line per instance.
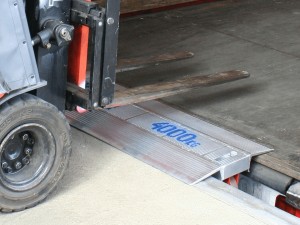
[78, 53]
[282, 204]
[165, 8]
[77, 57]
[236, 177]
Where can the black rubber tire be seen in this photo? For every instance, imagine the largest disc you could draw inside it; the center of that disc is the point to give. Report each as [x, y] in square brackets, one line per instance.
[26, 109]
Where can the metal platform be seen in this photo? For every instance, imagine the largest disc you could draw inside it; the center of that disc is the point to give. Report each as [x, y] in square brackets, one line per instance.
[172, 141]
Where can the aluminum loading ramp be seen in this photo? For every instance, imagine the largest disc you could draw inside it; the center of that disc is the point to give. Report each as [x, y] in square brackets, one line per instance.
[170, 140]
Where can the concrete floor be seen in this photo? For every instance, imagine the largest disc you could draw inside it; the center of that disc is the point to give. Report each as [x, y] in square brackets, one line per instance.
[106, 186]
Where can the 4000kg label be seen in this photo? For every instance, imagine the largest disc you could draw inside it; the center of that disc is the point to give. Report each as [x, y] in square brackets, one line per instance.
[179, 135]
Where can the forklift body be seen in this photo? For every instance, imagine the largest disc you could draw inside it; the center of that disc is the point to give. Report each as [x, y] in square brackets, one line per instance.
[18, 68]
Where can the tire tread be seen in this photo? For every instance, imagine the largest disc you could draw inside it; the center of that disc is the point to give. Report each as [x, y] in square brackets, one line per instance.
[19, 102]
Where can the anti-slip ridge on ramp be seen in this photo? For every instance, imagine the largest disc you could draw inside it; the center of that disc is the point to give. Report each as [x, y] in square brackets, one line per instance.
[152, 150]
[172, 141]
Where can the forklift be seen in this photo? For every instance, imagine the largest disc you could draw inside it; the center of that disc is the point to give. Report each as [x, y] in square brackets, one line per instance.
[59, 55]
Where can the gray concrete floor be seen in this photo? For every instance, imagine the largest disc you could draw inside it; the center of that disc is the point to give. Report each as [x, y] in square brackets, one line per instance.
[106, 186]
[261, 37]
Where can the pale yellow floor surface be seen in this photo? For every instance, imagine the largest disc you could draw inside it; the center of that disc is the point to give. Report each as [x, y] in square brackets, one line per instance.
[105, 186]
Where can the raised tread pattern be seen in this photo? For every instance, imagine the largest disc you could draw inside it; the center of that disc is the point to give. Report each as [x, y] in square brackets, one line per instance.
[20, 101]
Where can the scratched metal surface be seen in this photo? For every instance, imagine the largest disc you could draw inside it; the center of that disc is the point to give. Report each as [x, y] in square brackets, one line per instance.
[150, 149]
[127, 112]
[145, 121]
[168, 145]
[209, 129]
[226, 155]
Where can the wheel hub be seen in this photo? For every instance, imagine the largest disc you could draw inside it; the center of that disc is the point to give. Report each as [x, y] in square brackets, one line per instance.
[17, 152]
[27, 154]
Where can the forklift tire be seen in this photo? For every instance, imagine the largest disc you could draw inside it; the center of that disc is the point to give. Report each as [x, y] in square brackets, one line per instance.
[35, 149]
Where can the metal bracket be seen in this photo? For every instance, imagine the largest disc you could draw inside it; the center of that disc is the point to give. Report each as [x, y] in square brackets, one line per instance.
[86, 13]
[92, 15]
[293, 194]
[110, 52]
[76, 96]
[54, 32]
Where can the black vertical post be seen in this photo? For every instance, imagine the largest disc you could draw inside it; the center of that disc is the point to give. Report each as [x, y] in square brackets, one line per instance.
[110, 51]
[96, 63]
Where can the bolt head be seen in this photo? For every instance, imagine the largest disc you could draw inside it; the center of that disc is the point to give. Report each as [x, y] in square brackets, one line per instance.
[28, 151]
[95, 104]
[4, 165]
[233, 153]
[9, 169]
[30, 141]
[25, 137]
[65, 34]
[17, 165]
[47, 45]
[100, 24]
[25, 161]
[110, 21]
[104, 101]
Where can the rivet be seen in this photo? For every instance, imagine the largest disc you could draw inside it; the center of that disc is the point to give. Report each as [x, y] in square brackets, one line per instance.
[104, 101]
[110, 21]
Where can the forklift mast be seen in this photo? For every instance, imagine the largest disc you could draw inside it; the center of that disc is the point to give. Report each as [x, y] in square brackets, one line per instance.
[53, 62]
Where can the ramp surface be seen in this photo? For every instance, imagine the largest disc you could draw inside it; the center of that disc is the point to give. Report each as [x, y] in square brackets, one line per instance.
[172, 141]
